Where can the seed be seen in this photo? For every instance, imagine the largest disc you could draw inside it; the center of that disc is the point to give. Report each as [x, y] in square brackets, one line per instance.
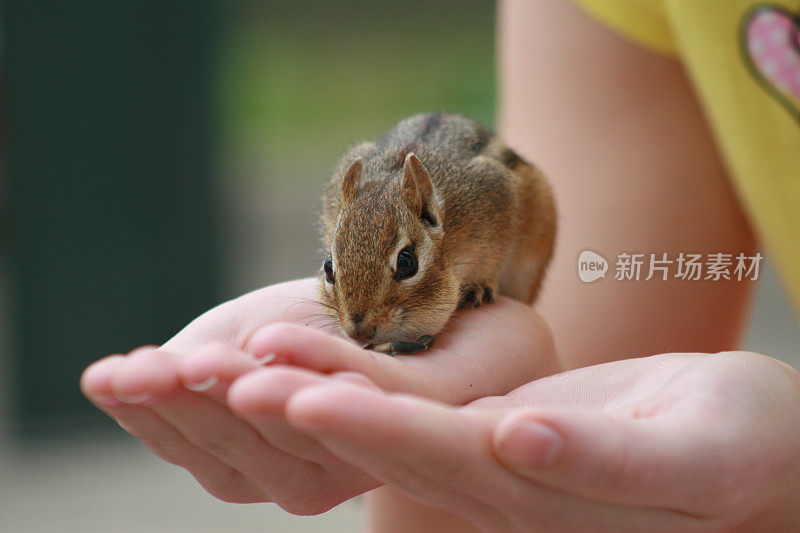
[404, 347]
[427, 340]
[407, 347]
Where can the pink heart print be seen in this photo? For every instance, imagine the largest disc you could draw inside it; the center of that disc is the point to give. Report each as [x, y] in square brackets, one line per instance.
[771, 44]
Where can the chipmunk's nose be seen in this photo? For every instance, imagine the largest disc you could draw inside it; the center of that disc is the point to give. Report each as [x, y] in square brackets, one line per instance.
[363, 334]
[359, 329]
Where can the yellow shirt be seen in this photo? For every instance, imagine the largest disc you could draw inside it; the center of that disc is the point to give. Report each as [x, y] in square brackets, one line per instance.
[743, 57]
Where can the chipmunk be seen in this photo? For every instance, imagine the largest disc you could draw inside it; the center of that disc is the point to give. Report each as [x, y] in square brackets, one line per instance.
[435, 215]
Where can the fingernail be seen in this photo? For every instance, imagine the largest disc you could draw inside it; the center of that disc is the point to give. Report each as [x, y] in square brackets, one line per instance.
[139, 398]
[529, 445]
[264, 359]
[202, 386]
[105, 400]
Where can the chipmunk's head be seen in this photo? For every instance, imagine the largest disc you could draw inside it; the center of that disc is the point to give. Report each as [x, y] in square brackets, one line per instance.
[386, 277]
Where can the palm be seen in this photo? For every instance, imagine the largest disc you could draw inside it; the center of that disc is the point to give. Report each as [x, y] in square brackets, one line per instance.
[713, 412]
[677, 442]
[245, 451]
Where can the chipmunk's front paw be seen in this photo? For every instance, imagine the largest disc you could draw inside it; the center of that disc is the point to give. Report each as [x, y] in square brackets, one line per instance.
[475, 295]
[488, 295]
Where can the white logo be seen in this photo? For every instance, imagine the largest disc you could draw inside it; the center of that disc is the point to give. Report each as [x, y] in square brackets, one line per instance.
[591, 266]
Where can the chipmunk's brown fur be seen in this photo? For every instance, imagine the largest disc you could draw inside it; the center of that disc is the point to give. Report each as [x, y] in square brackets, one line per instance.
[479, 219]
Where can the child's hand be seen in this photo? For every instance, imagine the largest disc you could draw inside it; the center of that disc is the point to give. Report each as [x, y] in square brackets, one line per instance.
[482, 352]
[675, 442]
[174, 398]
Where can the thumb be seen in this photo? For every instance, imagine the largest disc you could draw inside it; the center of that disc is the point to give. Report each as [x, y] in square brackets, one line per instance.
[654, 462]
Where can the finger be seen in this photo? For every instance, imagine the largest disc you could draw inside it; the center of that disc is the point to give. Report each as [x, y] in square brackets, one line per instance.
[391, 424]
[217, 478]
[95, 381]
[145, 374]
[260, 399]
[296, 485]
[442, 456]
[315, 350]
[458, 369]
[659, 462]
[212, 369]
[354, 378]
[370, 448]
[150, 378]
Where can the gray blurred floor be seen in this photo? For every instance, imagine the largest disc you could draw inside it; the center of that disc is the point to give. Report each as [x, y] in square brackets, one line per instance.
[118, 486]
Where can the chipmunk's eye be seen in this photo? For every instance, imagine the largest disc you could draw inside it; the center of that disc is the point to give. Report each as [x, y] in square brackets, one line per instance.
[406, 264]
[328, 268]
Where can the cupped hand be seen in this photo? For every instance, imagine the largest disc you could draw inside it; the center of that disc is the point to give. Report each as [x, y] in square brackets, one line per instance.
[676, 442]
[175, 397]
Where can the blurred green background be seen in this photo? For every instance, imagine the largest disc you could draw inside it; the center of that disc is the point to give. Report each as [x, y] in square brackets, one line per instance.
[300, 80]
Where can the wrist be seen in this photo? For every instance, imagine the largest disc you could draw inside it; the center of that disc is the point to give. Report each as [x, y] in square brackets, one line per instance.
[390, 511]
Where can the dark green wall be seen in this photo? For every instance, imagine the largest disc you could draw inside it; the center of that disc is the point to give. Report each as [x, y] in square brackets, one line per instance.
[112, 225]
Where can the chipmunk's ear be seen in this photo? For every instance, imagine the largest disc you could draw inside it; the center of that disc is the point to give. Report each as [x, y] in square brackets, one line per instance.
[417, 190]
[352, 181]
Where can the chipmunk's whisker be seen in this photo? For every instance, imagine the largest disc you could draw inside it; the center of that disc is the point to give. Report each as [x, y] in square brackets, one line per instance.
[312, 301]
[320, 320]
[315, 316]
